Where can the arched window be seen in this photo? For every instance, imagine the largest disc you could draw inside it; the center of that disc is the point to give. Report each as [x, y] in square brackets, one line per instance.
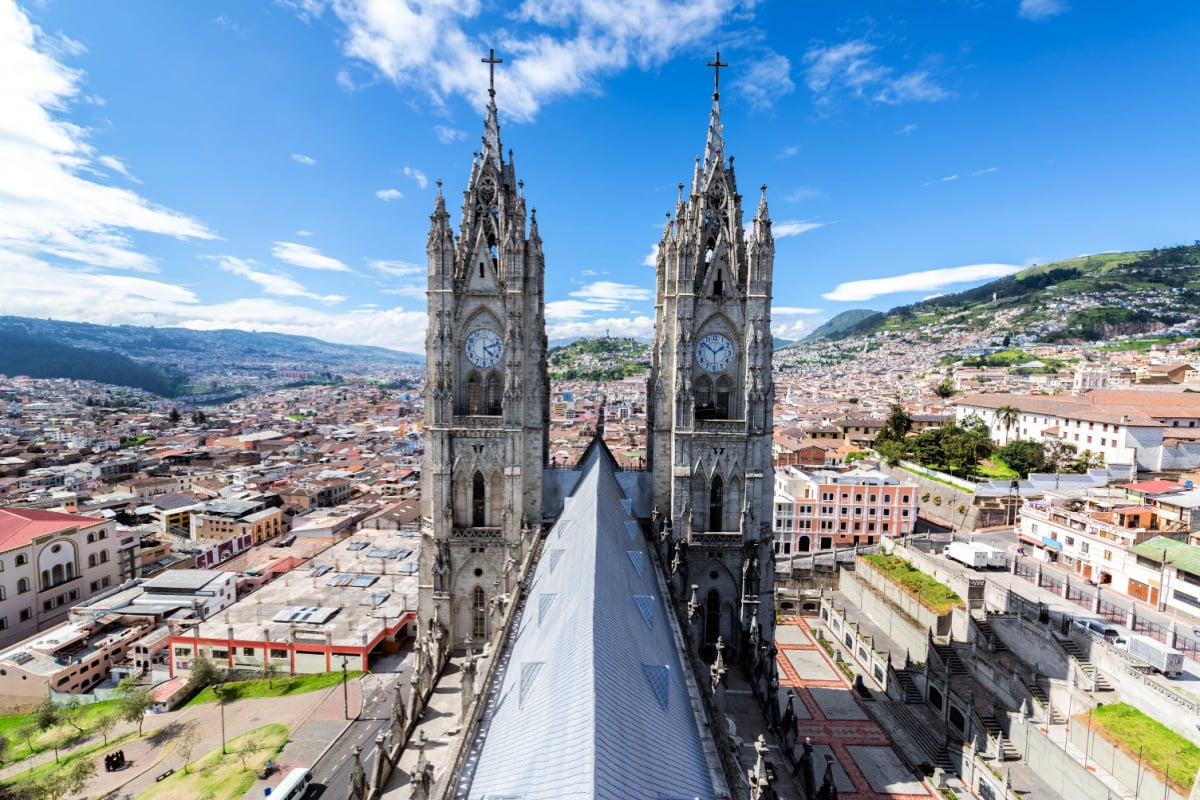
[3, 593]
[71, 565]
[721, 406]
[474, 394]
[103, 556]
[92, 560]
[103, 534]
[712, 616]
[704, 404]
[493, 395]
[22, 560]
[716, 504]
[22, 585]
[46, 579]
[718, 285]
[804, 544]
[56, 574]
[478, 501]
[478, 615]
[91, 538]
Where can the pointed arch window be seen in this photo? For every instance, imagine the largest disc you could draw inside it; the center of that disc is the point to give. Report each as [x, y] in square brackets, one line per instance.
[474, 394]
[718, 285]
[712, 616]
[721, 402]
[716, 504]
[492, 398]
[704, 402]
[478, 615]
[478, 501]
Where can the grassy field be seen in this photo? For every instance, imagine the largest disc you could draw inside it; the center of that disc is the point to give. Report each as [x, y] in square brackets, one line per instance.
[279, 687]
[937, 597]
[18, 748]
[995, 468]
[1161, 748]
[224, 775]
[87, 751]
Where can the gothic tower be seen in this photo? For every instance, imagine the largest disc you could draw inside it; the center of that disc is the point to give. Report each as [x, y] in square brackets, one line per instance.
[710, 399]
[486, 398]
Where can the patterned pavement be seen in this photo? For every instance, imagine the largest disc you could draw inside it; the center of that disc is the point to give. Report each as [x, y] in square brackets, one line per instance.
[839, 723]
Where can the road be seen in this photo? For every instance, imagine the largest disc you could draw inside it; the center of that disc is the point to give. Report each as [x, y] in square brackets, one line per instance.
[334, 769]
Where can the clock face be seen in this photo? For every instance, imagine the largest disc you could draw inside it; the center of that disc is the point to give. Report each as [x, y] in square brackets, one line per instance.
[484, 348]
[714, 352]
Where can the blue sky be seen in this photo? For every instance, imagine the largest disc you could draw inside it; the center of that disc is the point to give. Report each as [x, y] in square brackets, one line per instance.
[271, 166]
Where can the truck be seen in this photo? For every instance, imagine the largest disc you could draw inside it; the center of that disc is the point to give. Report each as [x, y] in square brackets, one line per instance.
[975, 555]
[1163, 658]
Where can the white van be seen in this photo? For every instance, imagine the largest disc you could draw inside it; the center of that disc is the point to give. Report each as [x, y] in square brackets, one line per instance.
[1099, 628]
[294, 786]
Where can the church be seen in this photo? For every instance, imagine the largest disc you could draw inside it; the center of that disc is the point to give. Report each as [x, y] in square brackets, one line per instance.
[607, 603]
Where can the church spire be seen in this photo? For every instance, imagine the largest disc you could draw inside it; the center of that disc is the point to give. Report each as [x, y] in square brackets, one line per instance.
[714, 147]
[491, 127]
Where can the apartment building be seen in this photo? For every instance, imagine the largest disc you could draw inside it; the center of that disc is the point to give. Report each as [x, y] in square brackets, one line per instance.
[822, 509]
[50, 561]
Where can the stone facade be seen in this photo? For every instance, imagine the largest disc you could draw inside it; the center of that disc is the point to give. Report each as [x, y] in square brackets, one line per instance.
[710, 398]
[486, 398]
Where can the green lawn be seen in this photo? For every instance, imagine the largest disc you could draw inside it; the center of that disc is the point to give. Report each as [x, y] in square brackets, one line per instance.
[67, 755]
[223, 775]
[995, 468]
[1134, 732]
[279, 687]
[937, 597]
[18, 749]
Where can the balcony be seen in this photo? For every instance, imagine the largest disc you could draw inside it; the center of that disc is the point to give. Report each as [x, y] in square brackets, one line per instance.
[480, 422]
[478, 533]
[717, 539]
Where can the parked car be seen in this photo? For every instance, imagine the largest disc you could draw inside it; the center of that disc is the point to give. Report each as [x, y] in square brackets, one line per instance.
[1099, 628]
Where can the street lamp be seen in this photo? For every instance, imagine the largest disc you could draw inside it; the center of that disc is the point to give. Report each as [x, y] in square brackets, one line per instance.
[219, 691]
[345, 691]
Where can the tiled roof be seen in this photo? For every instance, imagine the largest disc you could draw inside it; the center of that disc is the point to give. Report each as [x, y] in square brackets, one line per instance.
[20, 526]
[592, 701]
[1155, 487]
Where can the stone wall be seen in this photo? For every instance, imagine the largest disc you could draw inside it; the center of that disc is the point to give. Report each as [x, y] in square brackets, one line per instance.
[951, 497]
[1116, 763]
[1061, 772]
[907, 632]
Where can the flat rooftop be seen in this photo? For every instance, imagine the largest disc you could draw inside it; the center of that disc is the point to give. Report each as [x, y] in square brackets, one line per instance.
[362, 584]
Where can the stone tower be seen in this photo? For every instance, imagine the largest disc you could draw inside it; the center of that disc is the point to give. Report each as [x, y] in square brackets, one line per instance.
[486, 398]
[710, 400]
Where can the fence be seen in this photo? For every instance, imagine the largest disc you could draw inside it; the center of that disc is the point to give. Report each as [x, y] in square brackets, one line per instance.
[1112, 611]
[1148, 628]
[1077, 594]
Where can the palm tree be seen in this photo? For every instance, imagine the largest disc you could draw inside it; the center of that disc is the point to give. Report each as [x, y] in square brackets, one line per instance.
[1008, 416]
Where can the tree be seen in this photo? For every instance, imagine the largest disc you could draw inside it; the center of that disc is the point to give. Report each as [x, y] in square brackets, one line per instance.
[897, 425]
[890, 451]
[3, 747]
[45, 716]
[134, 701]
[204, 673]
[1023, 456]
[1008, 417]
[25, 732]
[186, 743]
[174, 416]
[269, 671]
[250, 744]
[72, 713]
[62, 737]
[104, 725]
[199, 417]
[945, 389]
[1059, 454]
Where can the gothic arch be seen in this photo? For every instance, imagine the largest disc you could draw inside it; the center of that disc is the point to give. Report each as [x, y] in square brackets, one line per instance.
[493, 392]
[733, 502]
[703, 391]
[474, 393]
[716, 504]
[723, 401]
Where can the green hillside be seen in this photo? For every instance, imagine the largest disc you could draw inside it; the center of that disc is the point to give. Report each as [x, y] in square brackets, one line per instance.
[845, 321]
[604, 359]
[1076, 300]
[40, 357]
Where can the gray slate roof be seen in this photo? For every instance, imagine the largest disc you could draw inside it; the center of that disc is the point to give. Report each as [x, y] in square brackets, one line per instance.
[592, 701]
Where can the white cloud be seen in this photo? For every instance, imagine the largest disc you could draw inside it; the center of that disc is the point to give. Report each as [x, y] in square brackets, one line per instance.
[272, 282]
[987, 171]
[35, 288]
[768, 79]
[605, 297]
[651, 258]
[304, 233]
[449, 135]
[416, 292]
[792, 311]
[794, 227]
[802, 193]
[792, 322]
[932, 280]
[851, 68]
[301, 255]
[118, 166]
[307, 161]
[788, 151]
[551, 48]
[1041, 9]
[610, 292]
[907, 129]
[387, 195]
[640, 327]
[46, 204]
[416, 175]
[396, 269]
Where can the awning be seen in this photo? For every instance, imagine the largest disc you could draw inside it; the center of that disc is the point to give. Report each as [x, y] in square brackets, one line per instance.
[1048, 542]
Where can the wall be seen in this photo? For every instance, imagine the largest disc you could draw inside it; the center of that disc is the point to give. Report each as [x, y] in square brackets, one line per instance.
[1034, 643]
[1054, 766]
[950, 495]
[902, 629]
[859, 648]
[1122, 767]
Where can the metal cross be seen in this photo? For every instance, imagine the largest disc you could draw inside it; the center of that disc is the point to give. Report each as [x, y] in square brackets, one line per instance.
[492, 61]
[716, 65]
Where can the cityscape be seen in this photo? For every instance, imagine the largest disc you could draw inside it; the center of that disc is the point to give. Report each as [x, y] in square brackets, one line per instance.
[546, 527]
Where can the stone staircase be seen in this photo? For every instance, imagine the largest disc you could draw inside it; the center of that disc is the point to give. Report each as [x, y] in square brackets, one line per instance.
[996, 733]
[988, 636]
[948, 656]
[920, 732]
[1038, 690]
[1075, 652]
[908, 687]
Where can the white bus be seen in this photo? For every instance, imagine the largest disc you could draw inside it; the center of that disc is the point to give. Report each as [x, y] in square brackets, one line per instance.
[294, 786]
